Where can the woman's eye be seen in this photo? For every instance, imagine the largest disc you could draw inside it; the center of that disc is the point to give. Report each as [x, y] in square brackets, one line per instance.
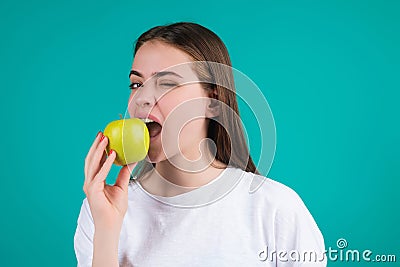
[135, 85]
[168, 84]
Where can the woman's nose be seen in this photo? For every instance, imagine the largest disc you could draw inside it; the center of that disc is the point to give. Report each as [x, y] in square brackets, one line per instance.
[144, 98]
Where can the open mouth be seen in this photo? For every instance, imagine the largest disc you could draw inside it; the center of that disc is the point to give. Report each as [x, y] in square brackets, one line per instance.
[153, 127]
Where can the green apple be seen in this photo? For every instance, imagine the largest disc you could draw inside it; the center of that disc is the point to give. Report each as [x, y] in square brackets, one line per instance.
[129, 138]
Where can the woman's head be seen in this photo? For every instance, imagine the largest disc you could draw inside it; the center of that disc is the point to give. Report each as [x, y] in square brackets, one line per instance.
[163, 71]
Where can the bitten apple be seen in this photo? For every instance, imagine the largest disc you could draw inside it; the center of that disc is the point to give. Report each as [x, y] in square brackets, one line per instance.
[129, 138]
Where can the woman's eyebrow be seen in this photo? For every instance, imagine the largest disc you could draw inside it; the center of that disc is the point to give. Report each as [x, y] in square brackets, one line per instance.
[156, 74]
[164, 73]
[134, 72]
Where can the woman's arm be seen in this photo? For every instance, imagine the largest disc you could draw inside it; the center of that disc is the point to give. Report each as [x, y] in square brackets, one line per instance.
[94, 246]
[108, 203]
[105, 248]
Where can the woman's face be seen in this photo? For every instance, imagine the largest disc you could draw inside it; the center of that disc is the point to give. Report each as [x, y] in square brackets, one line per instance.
[158, 91]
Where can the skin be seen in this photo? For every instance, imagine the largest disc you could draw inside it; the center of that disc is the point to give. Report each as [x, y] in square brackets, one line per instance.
[108, 203]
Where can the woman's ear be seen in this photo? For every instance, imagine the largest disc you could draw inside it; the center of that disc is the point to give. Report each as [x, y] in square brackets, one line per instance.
[213, 106]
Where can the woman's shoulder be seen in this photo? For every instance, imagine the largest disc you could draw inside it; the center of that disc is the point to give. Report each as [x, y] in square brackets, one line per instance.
[270, 192]
[263, 186]
[275, 199]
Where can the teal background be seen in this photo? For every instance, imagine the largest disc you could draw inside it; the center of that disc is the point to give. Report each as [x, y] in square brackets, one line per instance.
[329, 69]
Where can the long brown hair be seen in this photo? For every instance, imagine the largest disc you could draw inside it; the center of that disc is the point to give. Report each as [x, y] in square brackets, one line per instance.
[203, 45]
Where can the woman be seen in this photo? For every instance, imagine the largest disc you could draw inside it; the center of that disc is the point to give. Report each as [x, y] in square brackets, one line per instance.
[190, 202]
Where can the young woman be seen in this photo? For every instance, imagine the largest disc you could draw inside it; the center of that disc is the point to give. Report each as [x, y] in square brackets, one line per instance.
[189, 204]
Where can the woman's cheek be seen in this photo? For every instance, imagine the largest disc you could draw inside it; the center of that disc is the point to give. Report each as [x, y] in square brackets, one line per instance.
[131, 104]
[191, 136]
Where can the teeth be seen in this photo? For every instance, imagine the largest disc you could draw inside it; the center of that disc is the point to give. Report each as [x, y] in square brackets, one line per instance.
[147, 120]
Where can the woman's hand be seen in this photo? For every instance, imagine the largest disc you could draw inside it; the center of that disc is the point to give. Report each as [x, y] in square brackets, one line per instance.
[108, 203]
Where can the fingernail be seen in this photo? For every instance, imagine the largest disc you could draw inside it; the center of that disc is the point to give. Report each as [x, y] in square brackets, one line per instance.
[102, 137]
[111, 151]
[97, 135]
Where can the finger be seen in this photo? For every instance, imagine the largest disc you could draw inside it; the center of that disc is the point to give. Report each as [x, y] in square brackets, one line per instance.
[103, 159]
[94, 164]
[124, 176]
[91, 150]
[89, 177]
[105, 169]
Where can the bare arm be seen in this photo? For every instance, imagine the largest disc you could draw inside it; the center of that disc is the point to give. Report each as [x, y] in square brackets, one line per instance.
[108, 203]
[105, 249]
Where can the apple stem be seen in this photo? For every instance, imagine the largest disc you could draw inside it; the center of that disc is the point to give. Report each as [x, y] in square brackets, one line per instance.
[120, 116]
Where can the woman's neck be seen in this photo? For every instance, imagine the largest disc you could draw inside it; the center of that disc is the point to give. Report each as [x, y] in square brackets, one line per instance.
[168, 180]
[192, 178]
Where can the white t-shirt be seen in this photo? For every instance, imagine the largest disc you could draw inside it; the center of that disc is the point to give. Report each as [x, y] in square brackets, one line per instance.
[223, 223]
